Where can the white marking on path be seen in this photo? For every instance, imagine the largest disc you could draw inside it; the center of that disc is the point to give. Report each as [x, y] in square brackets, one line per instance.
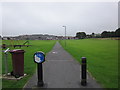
[55, 52]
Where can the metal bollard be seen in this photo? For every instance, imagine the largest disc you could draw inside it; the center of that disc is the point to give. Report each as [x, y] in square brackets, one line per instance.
[39, 58]
[40, 82]
[83, 73]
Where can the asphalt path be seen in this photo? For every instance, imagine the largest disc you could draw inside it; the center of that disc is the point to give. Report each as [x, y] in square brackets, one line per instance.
[61, 70]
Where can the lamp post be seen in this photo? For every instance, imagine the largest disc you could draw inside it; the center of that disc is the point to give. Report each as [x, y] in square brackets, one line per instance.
[65, 35]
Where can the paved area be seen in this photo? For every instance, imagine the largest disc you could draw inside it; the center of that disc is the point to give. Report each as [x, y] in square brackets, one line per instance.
[61, 71]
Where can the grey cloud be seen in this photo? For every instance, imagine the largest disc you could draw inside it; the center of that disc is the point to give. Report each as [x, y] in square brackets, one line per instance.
[42, 18]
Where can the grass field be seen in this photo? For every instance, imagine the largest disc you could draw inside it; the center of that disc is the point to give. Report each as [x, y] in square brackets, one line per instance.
[102, 58]
[29, 65]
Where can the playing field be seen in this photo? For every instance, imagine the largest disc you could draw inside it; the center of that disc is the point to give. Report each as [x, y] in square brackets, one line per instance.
[102, 58]
[29, 65]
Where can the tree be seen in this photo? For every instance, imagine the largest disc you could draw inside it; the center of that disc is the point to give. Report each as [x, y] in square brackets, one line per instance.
[117, 32]
[104, 34]
[107, 34]
[80, 35]
[8, 38]
[93, 35]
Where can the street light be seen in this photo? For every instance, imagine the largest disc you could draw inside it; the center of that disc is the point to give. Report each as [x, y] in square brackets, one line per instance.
[65, 35]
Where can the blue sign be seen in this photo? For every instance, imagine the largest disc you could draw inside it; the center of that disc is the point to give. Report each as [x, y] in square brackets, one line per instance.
[39, 57]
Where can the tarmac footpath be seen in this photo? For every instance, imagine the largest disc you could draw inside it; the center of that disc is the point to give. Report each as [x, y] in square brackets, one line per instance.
[61, 70]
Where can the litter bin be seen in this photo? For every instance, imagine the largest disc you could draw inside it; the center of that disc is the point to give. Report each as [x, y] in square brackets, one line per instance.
[18, 62]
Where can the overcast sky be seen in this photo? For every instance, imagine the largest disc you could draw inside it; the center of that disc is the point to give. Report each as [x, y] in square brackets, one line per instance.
[48, 18]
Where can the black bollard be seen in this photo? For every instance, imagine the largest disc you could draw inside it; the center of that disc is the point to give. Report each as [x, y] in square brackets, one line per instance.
[83, 73]
[40, 75]
[39, 58]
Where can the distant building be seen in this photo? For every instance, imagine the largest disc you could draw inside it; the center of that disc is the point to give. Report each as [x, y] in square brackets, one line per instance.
[32, 37]
[70, 37]
[4, 38]
[98, 35]
[38, 37]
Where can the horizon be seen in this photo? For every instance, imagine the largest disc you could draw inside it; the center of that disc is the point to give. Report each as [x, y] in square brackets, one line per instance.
[53, 34]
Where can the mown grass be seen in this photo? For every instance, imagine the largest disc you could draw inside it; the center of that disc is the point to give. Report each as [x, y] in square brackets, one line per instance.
[29, 65]
[102, 58]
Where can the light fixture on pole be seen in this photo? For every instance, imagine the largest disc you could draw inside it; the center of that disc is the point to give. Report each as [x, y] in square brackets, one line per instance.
[65, 35]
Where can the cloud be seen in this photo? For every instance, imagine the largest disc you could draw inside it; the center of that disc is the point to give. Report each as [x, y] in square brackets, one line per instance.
[42, 18]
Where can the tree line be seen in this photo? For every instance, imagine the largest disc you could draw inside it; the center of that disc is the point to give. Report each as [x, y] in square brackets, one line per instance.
[104, 34]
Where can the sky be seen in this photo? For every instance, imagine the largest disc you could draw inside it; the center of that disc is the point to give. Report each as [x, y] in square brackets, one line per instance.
[26, 18]
[119, 15]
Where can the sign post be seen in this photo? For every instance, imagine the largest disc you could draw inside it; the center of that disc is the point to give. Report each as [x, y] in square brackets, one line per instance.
[5, 60]
[39, 58]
